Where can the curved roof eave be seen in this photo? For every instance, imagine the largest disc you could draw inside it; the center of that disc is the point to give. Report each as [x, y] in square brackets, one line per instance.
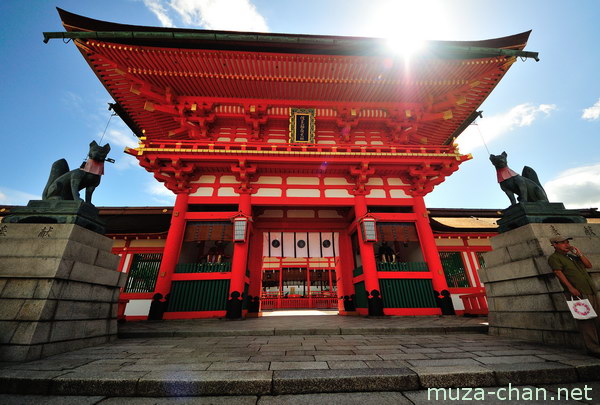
[271, 42]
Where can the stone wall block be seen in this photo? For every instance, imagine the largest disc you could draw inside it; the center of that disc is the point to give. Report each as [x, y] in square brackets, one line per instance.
[7, 330]
[542, 267]
[525, 249]
[113, 329]
[52, 348]
[27, 333]
[37, 267]
[566, 338]
[496, 257]
[102, 293]
[116, 295]
[80, 252]
[9, 309]
[19, 288]
[560, 301]
[98, 327]
[48, 304]
[48, 288]
[60, 248]
[544, 232]
[91, 238]
[525, 286]
[76, 291]
[79, 310]
[107, 260]
[33, 310]
[530, 320]
[510, 271]
[38, 231]
[123, 279]
[94, 274]
[515, 333]
[523, 303]
[67, 330]
[114, 311]
[482, 273]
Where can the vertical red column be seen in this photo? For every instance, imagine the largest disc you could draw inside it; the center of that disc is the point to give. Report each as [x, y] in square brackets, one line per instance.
[172, 245]
[240, 252]
[367, 254]
[255, 266]
[344, 269]
[430, 251]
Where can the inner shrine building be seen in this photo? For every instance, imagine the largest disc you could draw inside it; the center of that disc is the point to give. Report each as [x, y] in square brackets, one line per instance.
[299, 165]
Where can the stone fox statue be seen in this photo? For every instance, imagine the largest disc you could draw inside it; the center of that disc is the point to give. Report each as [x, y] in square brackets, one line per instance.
[527, 187]
[65, 185]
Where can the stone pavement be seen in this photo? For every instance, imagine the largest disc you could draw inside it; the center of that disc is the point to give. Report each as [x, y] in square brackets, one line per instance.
[302, 360]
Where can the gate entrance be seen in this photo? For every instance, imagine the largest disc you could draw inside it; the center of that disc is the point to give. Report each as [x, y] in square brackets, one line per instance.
[299, 283]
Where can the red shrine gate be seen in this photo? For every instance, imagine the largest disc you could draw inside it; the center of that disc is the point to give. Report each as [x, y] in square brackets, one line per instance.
[266, 134]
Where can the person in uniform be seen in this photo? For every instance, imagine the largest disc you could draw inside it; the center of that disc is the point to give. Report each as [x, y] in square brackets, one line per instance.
[569, 265]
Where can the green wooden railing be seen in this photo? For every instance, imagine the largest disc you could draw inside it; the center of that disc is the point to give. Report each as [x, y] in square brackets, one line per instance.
[357, 271]
[454, 269]
[401, 266]
[407, 293]
[198, 295]
[203, 267]
[360, 295]
[143, 273]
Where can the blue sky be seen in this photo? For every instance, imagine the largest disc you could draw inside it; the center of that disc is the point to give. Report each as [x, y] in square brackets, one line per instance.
[545, 114]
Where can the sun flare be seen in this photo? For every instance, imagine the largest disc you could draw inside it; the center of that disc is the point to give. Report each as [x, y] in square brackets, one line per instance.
[407, 25]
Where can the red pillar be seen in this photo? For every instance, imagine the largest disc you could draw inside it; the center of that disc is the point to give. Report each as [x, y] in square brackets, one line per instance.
[240, 251]
[344, 269]
[255, 266]
[172, 245]
[367, 254]
[430, 251]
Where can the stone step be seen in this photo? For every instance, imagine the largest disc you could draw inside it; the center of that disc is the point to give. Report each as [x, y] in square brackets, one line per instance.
[194, 332]
[578, 393]
[366, 355]
[285, 382]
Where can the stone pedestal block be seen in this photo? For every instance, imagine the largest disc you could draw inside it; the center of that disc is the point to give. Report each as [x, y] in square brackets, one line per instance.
[539, 212]
[525, 298]
[59, 288]
[57, 212]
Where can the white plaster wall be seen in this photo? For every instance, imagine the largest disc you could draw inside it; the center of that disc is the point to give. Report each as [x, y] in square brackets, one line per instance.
[337, 193]
[268, 192]
[398, 194]
[307, 181]
[203, 192]
[138, 307]
[303, 192]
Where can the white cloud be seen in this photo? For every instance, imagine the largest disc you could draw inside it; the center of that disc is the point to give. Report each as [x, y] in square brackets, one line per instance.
[576, 188]
[592, 113]
[230, 15]
[73, 101]
[160, 194]
[495, 126]
[156, 7]
[15, 197]
[119, 137]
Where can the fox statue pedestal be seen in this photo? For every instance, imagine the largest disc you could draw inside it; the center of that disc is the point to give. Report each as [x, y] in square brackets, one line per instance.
[57, 212]
[525, 298]
[540, 212]
[59, 289]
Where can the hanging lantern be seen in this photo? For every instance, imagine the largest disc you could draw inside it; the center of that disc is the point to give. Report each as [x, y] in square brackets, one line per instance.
[368, 227]
[240, 227]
